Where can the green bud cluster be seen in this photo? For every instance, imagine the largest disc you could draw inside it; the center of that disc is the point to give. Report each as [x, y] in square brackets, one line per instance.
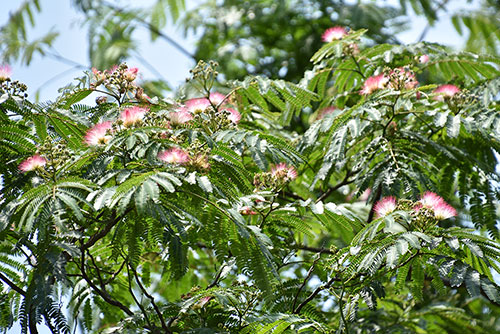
[13, 88]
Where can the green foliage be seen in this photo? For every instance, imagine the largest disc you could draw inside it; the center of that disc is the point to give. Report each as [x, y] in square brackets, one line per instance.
[153, 215]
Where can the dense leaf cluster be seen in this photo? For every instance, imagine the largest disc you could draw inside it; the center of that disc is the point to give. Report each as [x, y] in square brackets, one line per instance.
[266, 225]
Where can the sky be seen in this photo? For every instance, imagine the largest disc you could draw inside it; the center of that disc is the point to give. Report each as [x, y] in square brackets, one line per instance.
[46, 75]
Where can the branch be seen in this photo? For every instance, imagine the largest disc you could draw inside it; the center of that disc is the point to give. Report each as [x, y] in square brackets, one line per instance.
[151, 298]
[153, 29]
[314, 294]
[344, 182]
[375, 199]
[102, 233]
[320, 250]
[309, 273]
[104, 294]
[12, 285]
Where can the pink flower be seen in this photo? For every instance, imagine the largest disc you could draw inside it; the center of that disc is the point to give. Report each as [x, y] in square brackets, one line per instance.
[198, 104]
[98, 75]
[325, 111]
[374, 83]
[444, 211]
[282, 170]
[130, 73]
[174, 155]
[112, 69]
[334, 33]
[98, 134]
[32, 163]
[423, 59]
[441, 209]
[181, 116]
[430, 200]
[445, 91]
[385, 206]
[234, 115]
[133, 115]
[5, 72]
[217, 98]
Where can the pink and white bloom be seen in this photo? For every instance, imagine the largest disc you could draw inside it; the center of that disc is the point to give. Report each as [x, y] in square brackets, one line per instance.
[5, 72]
[333, 34]
[445, 91]
[217, 98]
[282, 170]
[441, 209]
[174, 155]
[133, 115]
[180, 117]
[197, 104]
[234, 115]
[130, 73]
[374, 83]
[423, 59]
[430, 200]
[385, 206]
[444, 211]
[98, 134]
[32, 163]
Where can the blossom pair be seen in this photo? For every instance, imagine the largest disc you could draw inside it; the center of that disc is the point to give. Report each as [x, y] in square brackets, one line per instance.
[99, 134]
[429, 200]
[199, 105]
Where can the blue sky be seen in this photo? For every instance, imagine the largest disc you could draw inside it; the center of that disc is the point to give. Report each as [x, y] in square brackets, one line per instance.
[47, 75]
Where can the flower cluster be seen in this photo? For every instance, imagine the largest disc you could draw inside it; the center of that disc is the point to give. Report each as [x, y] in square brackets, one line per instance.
[437, 204]
[48, 157]
[401, 78]
[214, 110]
[9, 87]
[279, 175]
[174, 156]
[429, 209]
[193, 157]
[99, 134]
[119, 81]
[374, 83]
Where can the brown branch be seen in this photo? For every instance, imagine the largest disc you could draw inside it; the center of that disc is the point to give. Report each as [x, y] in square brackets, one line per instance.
[344, 182]
[151, 298]
[102, 233]
[314, 294]
[103, 293]
[309, 273]
[320, 250]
